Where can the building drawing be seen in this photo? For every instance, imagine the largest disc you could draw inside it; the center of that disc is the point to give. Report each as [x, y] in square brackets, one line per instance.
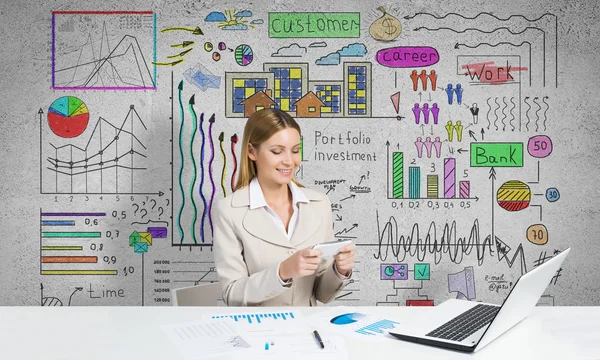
[290, 88]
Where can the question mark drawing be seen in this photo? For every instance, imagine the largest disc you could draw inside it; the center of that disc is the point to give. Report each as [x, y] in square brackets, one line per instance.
[137, 208]
[145, 212]
[160, 211]
[152, 200]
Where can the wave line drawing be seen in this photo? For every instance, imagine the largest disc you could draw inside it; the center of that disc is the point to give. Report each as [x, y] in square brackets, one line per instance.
[223, 172]
[211, 122]
[234, 140]
[415, 245]
[181, 166]
[496, 113]
[537, 116]
[503, 114]
[200, 126]
[488, 113]
[195, 173]
[545, 111]
[512, 100]
[527, 113]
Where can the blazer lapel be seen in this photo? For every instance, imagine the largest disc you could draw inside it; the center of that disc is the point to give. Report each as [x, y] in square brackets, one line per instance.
[258, 223]
[308, 223]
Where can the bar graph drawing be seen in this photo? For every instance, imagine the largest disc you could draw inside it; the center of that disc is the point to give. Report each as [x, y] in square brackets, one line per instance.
[377, 328]
[258, 318]
[61, 249]
[425, 186]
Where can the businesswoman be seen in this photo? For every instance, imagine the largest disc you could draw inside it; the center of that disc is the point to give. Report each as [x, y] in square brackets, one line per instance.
[264, 231]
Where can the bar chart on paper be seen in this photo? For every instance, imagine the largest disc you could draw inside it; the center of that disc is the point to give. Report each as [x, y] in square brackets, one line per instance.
[355, 324]
[258, 318]
[267, 323]
[377, 328]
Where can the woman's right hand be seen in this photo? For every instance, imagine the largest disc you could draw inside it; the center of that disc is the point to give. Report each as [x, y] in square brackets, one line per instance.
[303, 263]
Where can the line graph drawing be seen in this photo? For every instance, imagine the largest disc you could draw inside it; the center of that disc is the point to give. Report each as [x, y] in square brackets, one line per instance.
[510, 31]
[109, 162]
[508, 19]
[103, 50]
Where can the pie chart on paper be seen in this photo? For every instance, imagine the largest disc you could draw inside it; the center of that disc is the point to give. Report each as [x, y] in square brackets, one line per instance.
[243, 55]
[68, 117]
[346, 319]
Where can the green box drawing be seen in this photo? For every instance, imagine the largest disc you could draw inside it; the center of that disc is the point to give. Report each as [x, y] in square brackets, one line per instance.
[134, 238]
[422, 271]
[314, 25]
[497, 154]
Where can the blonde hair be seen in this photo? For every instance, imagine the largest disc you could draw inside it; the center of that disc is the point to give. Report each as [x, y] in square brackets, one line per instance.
[260, 126]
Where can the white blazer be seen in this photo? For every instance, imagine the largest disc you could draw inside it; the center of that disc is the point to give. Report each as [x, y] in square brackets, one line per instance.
[248, 248]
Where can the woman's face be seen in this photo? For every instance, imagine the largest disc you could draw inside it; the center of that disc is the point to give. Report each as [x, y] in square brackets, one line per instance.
[277, 158]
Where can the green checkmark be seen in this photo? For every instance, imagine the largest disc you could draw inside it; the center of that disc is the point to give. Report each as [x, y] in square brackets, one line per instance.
[422, 271]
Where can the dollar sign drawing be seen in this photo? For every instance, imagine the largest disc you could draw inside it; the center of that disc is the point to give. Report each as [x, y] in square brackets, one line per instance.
[388, 26]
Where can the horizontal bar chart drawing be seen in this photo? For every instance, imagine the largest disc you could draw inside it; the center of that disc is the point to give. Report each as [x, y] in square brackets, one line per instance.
[83, 234]
[69, 259]
[58, 223]
[79, 272]
[62, 248]
[63, 214]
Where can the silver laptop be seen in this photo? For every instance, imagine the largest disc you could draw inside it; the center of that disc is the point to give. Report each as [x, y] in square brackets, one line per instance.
[469, 326]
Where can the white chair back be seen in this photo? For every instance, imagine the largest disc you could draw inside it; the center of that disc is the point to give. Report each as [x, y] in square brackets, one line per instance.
[199, 295]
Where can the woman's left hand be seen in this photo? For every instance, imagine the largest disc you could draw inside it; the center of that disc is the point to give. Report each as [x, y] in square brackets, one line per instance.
[344, 261]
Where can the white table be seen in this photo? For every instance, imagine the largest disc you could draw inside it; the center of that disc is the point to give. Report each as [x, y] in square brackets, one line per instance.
[134, 333]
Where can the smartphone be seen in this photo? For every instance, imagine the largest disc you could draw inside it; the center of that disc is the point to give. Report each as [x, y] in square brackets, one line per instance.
[331, 248]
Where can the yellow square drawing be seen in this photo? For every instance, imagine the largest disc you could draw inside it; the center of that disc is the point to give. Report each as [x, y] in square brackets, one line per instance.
[352, 78]
[328, 87]
[362, 106]
[277, 84]
[146, 237]
[295, 73]
[335, 93]
[325, 109]
[249, 92]
[277, 94]
[352, 86]
[352, 106]
[285, 104]
[312, 109]
[360, 93]
[238, 83]
[259, 108]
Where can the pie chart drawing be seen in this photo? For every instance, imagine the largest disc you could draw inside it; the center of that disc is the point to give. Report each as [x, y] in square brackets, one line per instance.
[346, 319]
[243, 55]
[68, 117]
[514, 195]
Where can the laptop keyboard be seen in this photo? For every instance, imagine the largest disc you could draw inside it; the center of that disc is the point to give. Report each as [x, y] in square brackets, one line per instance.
[466, 324]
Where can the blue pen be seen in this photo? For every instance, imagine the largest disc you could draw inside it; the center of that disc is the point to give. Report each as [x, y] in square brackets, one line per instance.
[318, 337]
